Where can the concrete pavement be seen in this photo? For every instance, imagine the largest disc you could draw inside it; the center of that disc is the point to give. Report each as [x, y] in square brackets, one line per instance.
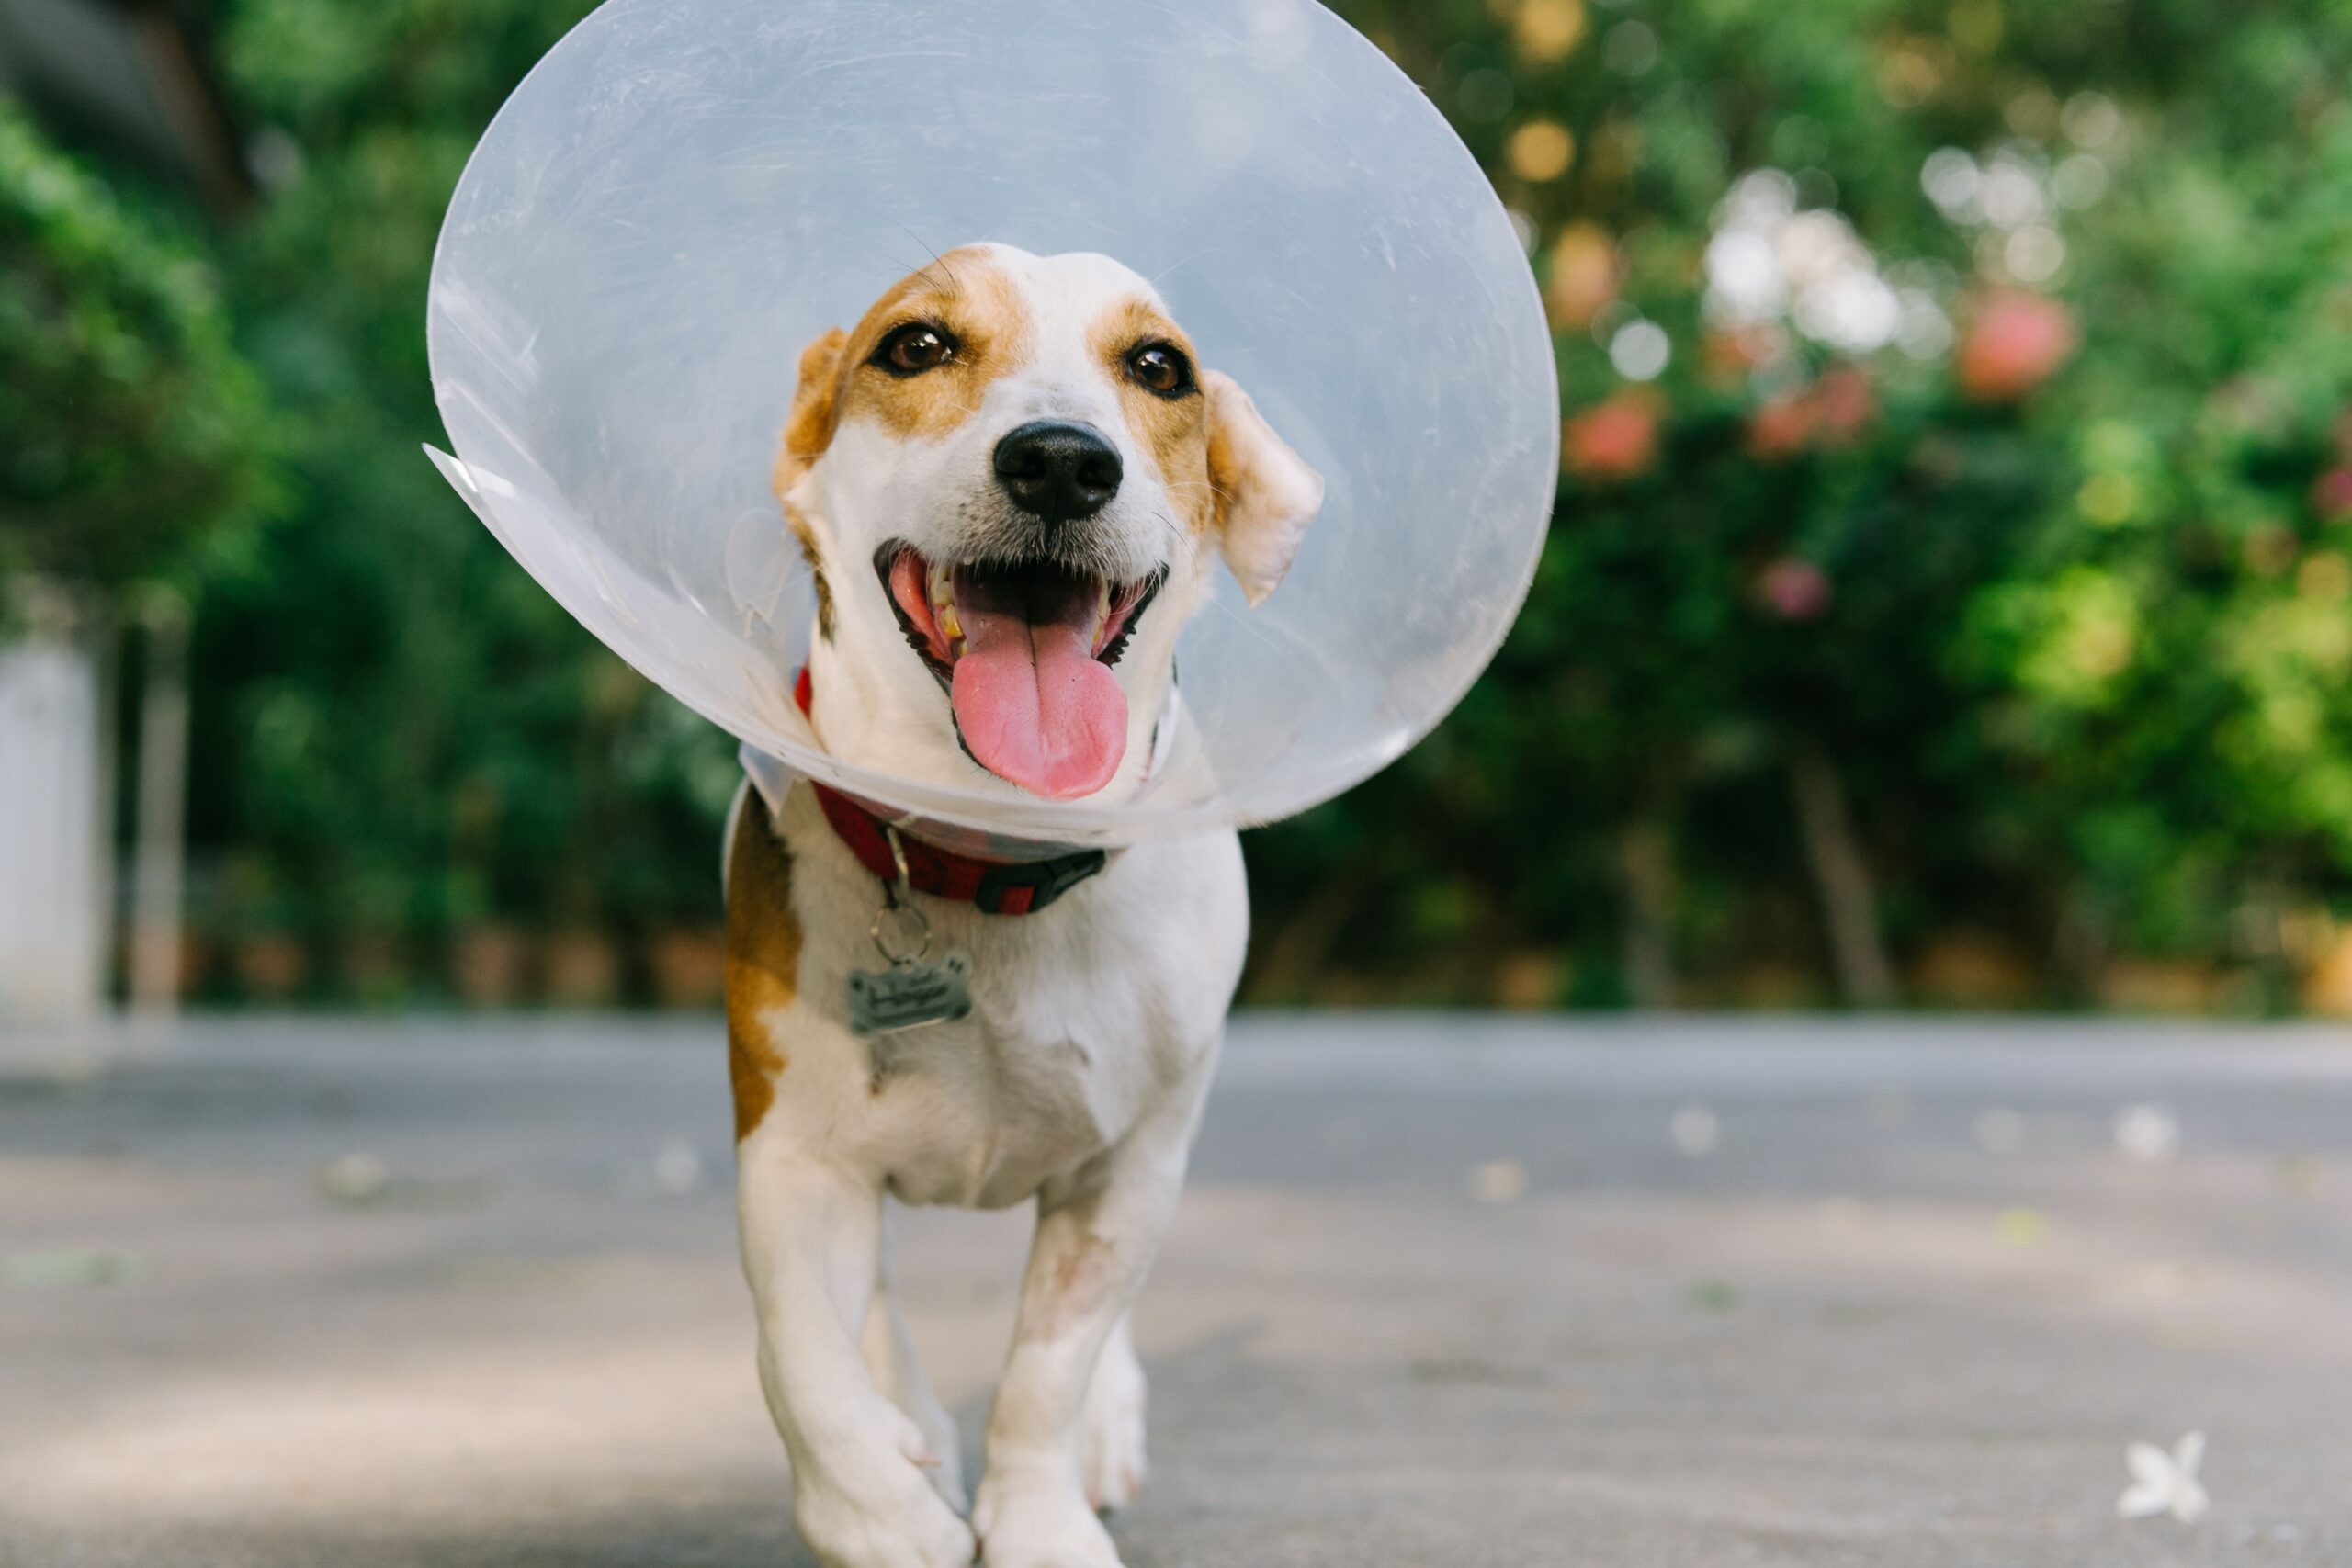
[1443, 1291]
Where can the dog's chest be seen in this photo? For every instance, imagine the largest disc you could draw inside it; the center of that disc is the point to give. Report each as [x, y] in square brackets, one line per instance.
[1084, 1016]
[983, 1112]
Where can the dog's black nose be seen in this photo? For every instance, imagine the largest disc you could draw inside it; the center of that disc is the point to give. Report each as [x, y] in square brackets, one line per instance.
[1057, 471]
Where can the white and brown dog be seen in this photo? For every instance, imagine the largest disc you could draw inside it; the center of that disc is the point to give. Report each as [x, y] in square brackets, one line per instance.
[1013, 482]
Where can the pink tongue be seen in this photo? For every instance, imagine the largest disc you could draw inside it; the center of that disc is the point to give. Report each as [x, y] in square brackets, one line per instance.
[1034, 703]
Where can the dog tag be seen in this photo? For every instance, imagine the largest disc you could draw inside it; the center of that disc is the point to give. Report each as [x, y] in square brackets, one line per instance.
[915, 989]
[909, 994]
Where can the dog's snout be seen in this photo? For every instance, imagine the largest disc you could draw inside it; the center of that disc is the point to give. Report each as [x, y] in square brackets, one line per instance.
[1057, 471]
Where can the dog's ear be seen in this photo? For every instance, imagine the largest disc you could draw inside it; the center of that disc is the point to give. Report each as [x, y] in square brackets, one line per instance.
[808, 428]
[1266, 495]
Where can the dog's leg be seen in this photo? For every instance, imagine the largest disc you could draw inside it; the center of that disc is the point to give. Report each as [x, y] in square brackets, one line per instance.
[898, 1373]
[1110, 1431]
[861, 1494]
[1097, 1233]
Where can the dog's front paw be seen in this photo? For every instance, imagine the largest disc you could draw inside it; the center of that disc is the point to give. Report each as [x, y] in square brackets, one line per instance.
[889, 1518]
[1037, 1523]
[1110, 1432]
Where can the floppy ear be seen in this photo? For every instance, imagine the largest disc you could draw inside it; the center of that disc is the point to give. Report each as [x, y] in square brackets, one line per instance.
[1265, 494]
[808, 428]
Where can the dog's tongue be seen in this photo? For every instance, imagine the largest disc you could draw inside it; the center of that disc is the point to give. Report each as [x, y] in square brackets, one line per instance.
[1034, 703]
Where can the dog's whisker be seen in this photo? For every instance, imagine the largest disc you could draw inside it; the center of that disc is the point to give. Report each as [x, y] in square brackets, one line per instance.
[937, 260]
[1185, 261]
[1209, 485]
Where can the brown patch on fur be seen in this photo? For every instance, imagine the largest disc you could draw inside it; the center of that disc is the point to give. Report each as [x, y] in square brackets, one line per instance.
[1232, 462]
[807, 431]
[762, 962]
[1175, 431]
[963, 292]
[969, 295]
[815, 395]
[806, 536]
[1265, 495]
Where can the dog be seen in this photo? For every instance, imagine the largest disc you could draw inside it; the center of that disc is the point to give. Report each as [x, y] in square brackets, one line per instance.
[1013, 482]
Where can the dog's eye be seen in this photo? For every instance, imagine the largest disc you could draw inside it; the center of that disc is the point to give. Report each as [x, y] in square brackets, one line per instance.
[1162, 367]
[913, 348]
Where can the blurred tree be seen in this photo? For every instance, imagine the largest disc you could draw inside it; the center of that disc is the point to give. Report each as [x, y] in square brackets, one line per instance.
[415, 739]
[1949, 593]
[136, 436]
[136, 461]
[1955, 443]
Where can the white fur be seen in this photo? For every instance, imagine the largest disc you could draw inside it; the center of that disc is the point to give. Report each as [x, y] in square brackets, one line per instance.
[1077, 1082]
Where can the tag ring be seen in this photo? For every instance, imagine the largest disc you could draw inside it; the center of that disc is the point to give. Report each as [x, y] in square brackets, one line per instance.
[898, 920]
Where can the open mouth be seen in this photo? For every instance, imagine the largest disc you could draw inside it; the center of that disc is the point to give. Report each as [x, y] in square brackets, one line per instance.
[1025, 650]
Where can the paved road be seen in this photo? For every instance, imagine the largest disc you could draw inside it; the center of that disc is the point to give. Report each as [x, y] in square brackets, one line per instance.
[1443, 1293]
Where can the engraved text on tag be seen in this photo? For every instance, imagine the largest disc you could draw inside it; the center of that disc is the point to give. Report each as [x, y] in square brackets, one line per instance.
[909, 994]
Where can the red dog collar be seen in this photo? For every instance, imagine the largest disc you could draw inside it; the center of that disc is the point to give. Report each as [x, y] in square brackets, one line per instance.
[994, 887]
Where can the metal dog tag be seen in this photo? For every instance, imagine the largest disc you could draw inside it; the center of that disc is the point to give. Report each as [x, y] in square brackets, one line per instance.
[909, 994]
[914, 990]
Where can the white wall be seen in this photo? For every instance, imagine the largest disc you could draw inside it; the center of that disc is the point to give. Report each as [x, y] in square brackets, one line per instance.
[53, 866]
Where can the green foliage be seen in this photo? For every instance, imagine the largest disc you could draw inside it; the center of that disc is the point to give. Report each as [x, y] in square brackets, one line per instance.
[2013, 625]
[136, 435]
[405, 736]
[2071, 630]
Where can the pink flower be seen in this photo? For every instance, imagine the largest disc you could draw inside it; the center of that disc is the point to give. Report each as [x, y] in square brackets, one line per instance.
[2015, 343]
[1728, 354]
[1833, 411]
[1780, 428]
[1794, 589]
[2332, 495]
[1615, 439]
[1844, 404]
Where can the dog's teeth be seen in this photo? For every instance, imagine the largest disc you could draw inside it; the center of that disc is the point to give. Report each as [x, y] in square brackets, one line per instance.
[942, 605]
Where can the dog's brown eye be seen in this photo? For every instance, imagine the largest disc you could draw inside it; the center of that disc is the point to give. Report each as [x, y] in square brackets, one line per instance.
[917, 346]
[1162, 367]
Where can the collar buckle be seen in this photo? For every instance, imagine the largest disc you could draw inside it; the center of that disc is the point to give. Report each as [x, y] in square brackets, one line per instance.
[1028, 887]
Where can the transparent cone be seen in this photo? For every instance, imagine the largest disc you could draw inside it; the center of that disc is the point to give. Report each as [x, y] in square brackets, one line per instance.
[686, 192]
